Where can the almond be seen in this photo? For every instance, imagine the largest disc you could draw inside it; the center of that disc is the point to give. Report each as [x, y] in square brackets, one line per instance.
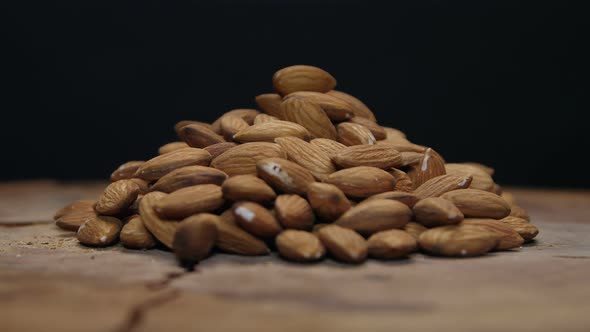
[478, 203]
[219, 148]
[302, 78]
[393, 134]
[430, 166]
[231, 125]
[264, 118]
[84, 205]
[232, 239]
[247, 114]
[414, 229]
[161, 229]
[72, 220]
[294, 212]
[391, 244]
[344, 244]
[143, 185]
[190, 200]
[268, 131]
[375, 129]
[198, 136]
[442, 184]
[127, 170]
[458, 241]
[181, 124]
[410, 158]
[509, 198]
[116, 198]
[256, 220]
[408, 199]
[284, 175]
[509, 238]
[134, 235]
[403, 145]
[380, 156]
[489, 170]
[188, 176]
[242, 159]
[247, 187]
[375, 215]
[270, 103]
[307, 155]
[526, 230]
[328, 146]
[435, 211]
[519, 212]
[173, 146]
[99, 231]
[336, 109]
[402, 180]
[354, 134]
[310, 115]
[327, 200]
[159, 166]
[358, 107]
[299, 246]
[362, 181]
[194, 238]
[481, 179]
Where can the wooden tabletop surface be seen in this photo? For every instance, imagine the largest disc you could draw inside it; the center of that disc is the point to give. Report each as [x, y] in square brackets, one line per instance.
[48, 282]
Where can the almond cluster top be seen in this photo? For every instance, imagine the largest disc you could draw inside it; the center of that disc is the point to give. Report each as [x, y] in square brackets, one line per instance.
[311, 174]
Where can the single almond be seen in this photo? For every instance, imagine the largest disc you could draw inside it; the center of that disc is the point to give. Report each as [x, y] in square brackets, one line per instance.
[163, 230]
[309, 115]
[247, 114]
[188, 176]
[242, 159]
[336, 109]
[403, 145]
[302, 78]
[489, 170]
[375, 129]
[307, 155]
[134, 235]
[430, 166]
[284, 175]
[380, 156]
[99, 231]
[519, 212]
[392, 134]
[410, 158]
[263, 118]
[478, 203]
[391, 244]
[247, 187]
[435, 211]
[144, 186]
[362, 181]
[84, 205]
[194, 238]
[270, 103]
[375, 215]
[133, 209]
[327, 200]
[116, 198]
[407, 198]
[402, 180]
[268, 131]
[173, 146]
[233, 239]
[256, 220]
[190, 200]
[219, 148]
[509, 238]
[198, 136]
[181, 124]
[458, 241]
[294, 212]
[328, 146]
[231, 125]
[442, 184]
[526, 230]
[72, 220]
[127, 170]
[344, 244]
[299, 246]
[509, 198]
[481, 179]
[354, 134]
[414, 229]
[159, 166]
[358, 107]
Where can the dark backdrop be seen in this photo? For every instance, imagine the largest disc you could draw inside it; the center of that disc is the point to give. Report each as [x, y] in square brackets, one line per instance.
[91, 84]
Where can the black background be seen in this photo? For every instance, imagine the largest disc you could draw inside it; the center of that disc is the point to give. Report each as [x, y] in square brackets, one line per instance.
[91, 84]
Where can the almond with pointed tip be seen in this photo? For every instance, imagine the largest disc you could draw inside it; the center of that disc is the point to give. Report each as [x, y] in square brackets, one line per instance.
[247, 114]
[430, 165]
[299, 246]
[294, 212]
[256, 220]
[190, 200]
[327, 200]
[354, 134]
[402, 180]
[127, 170]
[458, 241]
[309, 115]
[362, 181]
[307, 155]
[219, 148]
[284, 175]
[403, 145]
[407, 198]
[247, 188]
[194, 238]
[263, 118]
[328, 146]
[442, 184]
[269, 131]
[302, 78]
[358, 107]
[410, 158]
[270, 103]
[134, 235]
[376, 215]
[414, 229]
[435, 211]
[526, 230]
[478, 203]
[481, 179]
[344, 244]
[188, 176]
[509, 238]
[83, 205]
[159, 166]
[242, 158]
[380, 156]
[181, 124]
[391, 244]
[116, 198]
[336, 109]
[234, 240]
[198, 136]
[393, 134]
[375, 129]
[72, 220]
[100, 231]
[173, 146]
[519, 212]
[163, 230]
[231, 125]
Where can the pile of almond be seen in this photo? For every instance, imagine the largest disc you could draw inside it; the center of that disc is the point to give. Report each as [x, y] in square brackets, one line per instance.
[312, 174]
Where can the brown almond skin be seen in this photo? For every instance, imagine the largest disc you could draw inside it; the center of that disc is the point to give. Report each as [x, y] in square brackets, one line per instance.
[247, 188]
[234, 240]
[393, 134]
[435, 211]
[173, 146]
[374, 216]
[284, 175]
[256, 220]
[74, 219]
[519, 212]
[327, 200]
[307, 155]
[358, 107]
[354, 134]
[408, 199]
[294, 212]
[126, 171]
[402, 180]
[163, 230]
[442, 184]
[336, 109]
[190, 200]
[302, 78]
[116, 198]
[183, 123]
[159, 166]
[134, 235]
[478, 203]
[76, 206]
[219, 148]
[362, 181]
[270, 103]
[188, 176]
[458, 241]
[402, 145]
[194, 238]
[509, 238]
[328, 146]
[526, 230]
[415, 229]
[299, 246]
[231, 125]
[198, 136]
[481, 179]
[269, 131]
[264, 118]
[100, 231]
[309, 115]
[344, 244]
[246, 114]
[410, 158]
[143, 185]
[242, 159]
[431, 165]
[391, 244]
[375, 129]
[380, 156]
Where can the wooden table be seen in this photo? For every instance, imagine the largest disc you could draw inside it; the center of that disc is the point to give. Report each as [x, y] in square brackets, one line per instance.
[48, 282]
